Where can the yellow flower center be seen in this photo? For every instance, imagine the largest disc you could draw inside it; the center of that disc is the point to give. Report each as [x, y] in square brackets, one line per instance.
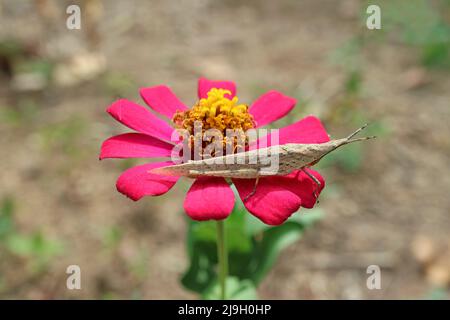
[216, 112]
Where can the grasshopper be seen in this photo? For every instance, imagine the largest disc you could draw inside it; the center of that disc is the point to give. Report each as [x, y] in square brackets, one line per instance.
[251, 165]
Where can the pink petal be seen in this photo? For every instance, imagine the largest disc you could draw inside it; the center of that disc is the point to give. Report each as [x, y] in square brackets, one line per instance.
[270, 107]
[307, 130]
[134, 145]
[140, 119]
[137, 182]
[272, 203]
[162, 100]
[303, 186]
[277, 198]
[204, 85]
[209, 198]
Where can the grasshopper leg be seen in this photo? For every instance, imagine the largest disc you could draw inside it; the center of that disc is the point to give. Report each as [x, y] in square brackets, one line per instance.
[253, 191]
[318, 184]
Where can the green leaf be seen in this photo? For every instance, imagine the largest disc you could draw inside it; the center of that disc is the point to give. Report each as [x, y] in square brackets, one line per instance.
[235, 290]
[200, 273]
[308, 218]
[275, 240]
[268, 250]
[202, 258]
[238, 239]
[254, 226]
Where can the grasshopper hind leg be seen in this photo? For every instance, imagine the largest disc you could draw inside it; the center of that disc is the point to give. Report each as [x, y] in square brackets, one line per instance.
[317, 182]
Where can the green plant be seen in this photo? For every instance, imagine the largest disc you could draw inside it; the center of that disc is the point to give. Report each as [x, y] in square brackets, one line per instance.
[253, 249]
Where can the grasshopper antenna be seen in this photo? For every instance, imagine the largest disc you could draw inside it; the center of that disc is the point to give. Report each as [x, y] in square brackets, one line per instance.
[357, 131]
[349, 138]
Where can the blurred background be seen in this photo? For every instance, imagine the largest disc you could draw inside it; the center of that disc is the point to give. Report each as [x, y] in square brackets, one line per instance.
[386, 202]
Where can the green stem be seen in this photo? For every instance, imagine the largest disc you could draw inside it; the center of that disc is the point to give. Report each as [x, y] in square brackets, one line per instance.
[222, 257]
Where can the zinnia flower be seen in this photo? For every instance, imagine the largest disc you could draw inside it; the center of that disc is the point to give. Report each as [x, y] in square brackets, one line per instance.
[276, 197]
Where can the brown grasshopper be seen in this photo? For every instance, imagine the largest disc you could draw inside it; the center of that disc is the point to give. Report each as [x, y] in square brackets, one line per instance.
[251, 165]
